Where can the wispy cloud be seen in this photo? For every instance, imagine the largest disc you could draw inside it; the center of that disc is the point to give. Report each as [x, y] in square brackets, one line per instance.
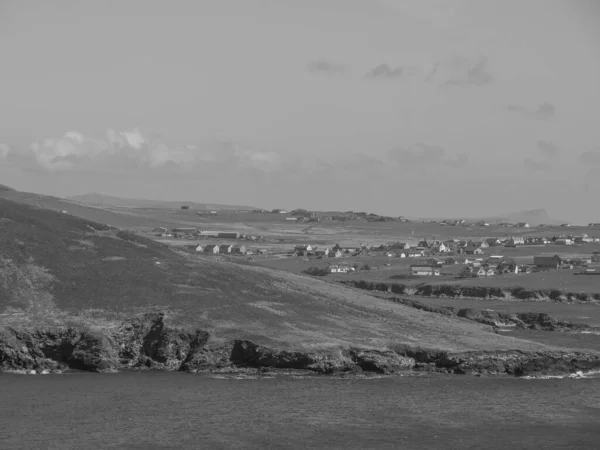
[326, 67]
[590, 157]
[547, 149]
[532, 165]
[458, 162]
[460, 71]
[384, 71]
[423, 155]
[133, 150]
[544, 112]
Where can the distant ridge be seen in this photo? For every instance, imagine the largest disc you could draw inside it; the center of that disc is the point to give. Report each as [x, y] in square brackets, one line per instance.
[532, 217]
[96, 199]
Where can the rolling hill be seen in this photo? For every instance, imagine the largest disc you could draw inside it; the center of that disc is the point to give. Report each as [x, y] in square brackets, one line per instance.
[76, 293]
[533, 217]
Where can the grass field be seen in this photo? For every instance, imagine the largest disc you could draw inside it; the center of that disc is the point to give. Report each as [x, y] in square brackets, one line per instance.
[67, 269]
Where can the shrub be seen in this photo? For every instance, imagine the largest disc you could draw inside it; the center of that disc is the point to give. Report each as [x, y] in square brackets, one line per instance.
[317, 271]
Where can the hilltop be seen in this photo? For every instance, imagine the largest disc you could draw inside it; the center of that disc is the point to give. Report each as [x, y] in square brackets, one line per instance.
[76, 293]
[533, 217]
[106, 200]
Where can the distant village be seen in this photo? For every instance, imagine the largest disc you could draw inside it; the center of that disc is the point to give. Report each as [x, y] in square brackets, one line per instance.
[430, 256]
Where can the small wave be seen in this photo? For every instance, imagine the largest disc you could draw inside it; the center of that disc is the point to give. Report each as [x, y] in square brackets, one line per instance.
[579, 375]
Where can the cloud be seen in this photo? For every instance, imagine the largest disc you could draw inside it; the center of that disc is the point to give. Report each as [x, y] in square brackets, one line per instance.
[547, 149]
[591, 181]
[459, 162]
[544, 112]
[460, 71]
[326, 67]
[132, 150]
[590, 157]
[4, 150]
[385, 71]
[423, 155]
[532, 165]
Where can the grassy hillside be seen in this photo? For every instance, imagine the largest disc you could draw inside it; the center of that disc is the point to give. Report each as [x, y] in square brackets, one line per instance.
[56, 267]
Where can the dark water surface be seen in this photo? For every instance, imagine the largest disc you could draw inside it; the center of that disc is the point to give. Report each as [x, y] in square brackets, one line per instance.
[172, 411]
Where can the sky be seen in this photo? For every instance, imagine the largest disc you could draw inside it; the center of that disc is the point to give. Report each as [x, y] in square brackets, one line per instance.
[400, 107]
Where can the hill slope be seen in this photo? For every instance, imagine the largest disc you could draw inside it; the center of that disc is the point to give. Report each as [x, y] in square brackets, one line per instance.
[106, 200]
[85, 295]
[533, 217]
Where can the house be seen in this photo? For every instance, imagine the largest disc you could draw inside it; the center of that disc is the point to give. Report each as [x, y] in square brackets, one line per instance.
[335, 268]
[440, 247]
[482, 244]
[522, 225]
[199, 248]
[304, 248]
[472, 250]
[423, 244]
[480, 272]
[424, 271]
[563, 241]
[211, 248]
[492, 242]
[262, 251]
[450, 261]
[490, 272]
[547, 262]
[238, 249]
[291, 219]
[225, 248]
[400, 246]
[434, 262]
[415, 254]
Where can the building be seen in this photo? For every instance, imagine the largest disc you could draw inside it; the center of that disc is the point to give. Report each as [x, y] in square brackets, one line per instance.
[335, 268]
[228, 235]
[522, 225]
[547, 262]
[472, 250]
[209, 233]
[211, 248]
[238, 249]
[424, 271]
[225, 248]
[563, 241]
[292, 219]
[199, 248]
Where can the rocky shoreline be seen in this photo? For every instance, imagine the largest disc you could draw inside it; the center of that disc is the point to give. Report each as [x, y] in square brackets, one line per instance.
[147, 343]
[479, 292]
[498, 320]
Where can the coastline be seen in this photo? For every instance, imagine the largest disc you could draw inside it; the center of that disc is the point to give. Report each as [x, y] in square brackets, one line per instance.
[147, 343]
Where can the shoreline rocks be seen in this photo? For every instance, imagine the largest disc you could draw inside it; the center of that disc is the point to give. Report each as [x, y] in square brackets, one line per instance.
[147, 343]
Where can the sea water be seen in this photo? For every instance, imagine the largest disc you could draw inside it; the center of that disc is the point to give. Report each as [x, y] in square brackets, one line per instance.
[151, 410]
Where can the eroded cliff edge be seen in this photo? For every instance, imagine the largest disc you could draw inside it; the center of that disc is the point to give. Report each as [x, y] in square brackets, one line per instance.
[148, 343]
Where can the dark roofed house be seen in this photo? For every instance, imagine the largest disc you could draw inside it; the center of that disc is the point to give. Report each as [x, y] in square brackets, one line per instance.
[547, 262]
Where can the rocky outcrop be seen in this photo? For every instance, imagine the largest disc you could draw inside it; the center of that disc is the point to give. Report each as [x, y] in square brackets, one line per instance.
[147, 342]
[523, 320]
[481, 292]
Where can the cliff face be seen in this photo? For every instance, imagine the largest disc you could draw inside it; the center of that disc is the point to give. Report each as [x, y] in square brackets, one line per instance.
[147, 343]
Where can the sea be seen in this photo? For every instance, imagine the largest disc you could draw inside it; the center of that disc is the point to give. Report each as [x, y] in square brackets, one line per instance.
[156, 410]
